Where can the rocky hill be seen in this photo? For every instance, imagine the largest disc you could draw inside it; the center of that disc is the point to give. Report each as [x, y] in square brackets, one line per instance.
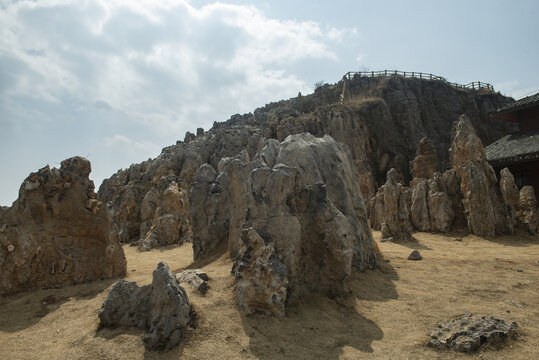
[381, 120]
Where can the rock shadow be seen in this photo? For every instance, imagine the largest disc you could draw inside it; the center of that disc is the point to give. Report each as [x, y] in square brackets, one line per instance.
[413, 243]
[22, 310]
[321, 328]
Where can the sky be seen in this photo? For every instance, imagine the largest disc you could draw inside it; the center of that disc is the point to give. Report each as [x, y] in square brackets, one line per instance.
[117, 80]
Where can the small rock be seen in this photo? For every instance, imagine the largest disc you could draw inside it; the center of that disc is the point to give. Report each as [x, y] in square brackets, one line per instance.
[10, 248]
[458, 239]
[520, 270]
[466, 333]
[415, 255]
[3, 228]
[196, 278]
[387, 260]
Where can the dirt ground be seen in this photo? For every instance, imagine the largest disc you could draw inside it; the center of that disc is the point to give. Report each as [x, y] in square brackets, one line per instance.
[386, 316]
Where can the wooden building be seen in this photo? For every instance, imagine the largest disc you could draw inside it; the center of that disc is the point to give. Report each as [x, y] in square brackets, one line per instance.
[519, 152]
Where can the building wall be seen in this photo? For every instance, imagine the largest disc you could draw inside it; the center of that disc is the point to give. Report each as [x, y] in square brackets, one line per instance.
[529, 172]
[529, 119]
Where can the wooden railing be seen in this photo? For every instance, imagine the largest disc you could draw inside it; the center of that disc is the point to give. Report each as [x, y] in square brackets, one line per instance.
[476, 85]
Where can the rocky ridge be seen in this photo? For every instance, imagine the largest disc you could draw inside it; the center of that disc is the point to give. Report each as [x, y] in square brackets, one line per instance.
[381, 121]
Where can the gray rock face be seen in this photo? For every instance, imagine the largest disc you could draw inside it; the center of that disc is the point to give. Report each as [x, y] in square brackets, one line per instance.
[302, 195]
[208, 200]
[57, 233]
[161, 308]
[431, 208]
[467, 333]
[196, 278]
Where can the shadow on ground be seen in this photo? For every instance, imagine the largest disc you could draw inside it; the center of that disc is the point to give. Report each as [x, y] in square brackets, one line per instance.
[22, 310]
[319, 327]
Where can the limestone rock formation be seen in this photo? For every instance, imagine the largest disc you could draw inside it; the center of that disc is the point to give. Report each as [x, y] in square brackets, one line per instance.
[57, 233]
[381, 122]
[196, 278]
[261, 278]
[425, 163]
[485, 211]
[393, 209]
[467, 333]
[164, 216]
[208, 200]
[527, 209]
[302, 198]
[161, 308]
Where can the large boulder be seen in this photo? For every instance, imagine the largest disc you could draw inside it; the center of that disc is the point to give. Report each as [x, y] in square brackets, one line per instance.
[161, 308]
[485, 211]
[57, 233]
[301, 197]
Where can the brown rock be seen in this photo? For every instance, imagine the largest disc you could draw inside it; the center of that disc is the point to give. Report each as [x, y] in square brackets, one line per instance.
[52, 237]
[527, 209]
[414, 255]
[426, 162]
[485, 212]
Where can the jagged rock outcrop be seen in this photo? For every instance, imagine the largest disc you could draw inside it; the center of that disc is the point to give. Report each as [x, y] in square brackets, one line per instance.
[164, 215]
[392, 210]
[301, 197]
[426, 162]
[381, 122]
[485, 211]
[57, 233]
[161, 308]
[527, 209]
[467, 333]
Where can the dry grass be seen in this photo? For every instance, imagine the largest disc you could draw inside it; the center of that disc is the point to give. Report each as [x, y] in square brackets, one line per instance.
[386, 316]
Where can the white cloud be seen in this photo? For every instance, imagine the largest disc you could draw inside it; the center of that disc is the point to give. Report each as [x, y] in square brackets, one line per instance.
[148, 70]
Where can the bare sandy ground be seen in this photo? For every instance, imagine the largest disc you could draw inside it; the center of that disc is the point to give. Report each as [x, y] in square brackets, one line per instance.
[386, 316]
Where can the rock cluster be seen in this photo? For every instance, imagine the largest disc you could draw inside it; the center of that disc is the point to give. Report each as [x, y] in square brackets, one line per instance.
[390, 210]
[57, 233]
[161, 308]
[468, 193]
[467, 333]
[296, 220]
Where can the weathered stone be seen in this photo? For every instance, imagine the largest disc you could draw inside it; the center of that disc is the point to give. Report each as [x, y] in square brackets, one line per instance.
[485, 212]
[509, 188]
[196, 278]
[395, 213]
[527, 209]
[53, 238]
[440, 206]
[467, 333]
[162, 309]
[419, 208]
[414, 255]
[261, 278]
[426, 162]
[209, 210]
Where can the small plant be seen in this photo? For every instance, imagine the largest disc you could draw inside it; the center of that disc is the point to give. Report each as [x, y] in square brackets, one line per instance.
[319, 84]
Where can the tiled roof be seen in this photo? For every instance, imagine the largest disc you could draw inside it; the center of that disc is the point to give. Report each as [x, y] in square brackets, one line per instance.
[521, 103]
[514, 148]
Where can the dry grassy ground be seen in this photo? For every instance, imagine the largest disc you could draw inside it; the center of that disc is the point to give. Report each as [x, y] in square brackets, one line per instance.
[386, 316]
